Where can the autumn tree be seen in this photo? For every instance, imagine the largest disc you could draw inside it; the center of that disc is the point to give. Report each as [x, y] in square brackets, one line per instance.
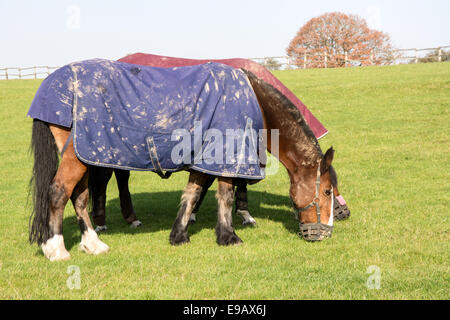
[336, 40]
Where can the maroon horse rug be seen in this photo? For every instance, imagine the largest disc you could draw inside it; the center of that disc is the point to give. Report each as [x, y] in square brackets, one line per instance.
[168, 62]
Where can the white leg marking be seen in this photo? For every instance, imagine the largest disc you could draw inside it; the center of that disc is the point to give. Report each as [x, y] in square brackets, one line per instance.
[54, 249]
[101, 228]
[91, 244]
[246, 217]
[135, 224]
[193, 218]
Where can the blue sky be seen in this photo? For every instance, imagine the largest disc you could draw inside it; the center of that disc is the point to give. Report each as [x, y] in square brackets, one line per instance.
[56, 32]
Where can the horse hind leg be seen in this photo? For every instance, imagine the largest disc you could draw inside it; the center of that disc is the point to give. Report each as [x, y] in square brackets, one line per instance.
[98, 182]
[189, 198]
[90, 243]
[126, 205]
[69, 173]
[54, 248]
[224, 229]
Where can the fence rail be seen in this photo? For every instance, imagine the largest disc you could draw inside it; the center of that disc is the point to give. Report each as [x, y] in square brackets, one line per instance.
[7, 73]
[401, 56]
[412, 55]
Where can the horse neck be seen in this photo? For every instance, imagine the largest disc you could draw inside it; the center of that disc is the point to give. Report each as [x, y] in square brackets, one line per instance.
[299, 150]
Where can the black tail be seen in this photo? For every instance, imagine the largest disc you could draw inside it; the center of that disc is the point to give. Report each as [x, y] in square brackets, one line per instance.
[45, 154]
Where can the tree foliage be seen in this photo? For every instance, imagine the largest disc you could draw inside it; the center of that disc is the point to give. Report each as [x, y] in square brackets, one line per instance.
[336, 40]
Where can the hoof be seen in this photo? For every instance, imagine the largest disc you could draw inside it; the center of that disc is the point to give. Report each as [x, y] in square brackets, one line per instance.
[249, 223]
[179, 239]
[91, 244]
[135, 224]
[54, 249]
[229, 241]
[99, 229]
[227, 237]
[247, 219]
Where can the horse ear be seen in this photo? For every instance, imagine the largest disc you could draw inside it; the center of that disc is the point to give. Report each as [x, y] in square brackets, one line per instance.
[327, 160]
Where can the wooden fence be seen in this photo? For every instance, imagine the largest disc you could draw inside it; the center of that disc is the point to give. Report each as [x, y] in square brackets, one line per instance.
[279, 62]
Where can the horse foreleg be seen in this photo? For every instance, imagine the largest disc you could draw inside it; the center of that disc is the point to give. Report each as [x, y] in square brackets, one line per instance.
[90, 243]
[189, 198]
[209, 181]
[242, 203]
[224, 229]
[126, 205]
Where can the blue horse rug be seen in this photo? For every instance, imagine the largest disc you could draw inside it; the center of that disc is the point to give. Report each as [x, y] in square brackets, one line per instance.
[204, 117]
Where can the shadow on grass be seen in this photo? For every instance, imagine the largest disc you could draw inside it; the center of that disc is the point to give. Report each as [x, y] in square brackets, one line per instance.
[158, 211]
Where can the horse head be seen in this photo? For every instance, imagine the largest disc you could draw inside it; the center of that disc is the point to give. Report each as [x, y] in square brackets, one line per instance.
[312, 196]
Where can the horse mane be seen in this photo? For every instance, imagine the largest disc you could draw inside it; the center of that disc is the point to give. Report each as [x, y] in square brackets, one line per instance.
[288, 106]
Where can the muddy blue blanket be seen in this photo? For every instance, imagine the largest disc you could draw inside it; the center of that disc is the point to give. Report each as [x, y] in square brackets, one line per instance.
[203, 117]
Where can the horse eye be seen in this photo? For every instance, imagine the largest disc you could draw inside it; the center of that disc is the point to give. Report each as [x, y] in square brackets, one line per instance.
[327, 192]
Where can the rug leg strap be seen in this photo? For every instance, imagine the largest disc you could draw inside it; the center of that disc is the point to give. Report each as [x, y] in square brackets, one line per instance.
[154, 157]
[67, 143]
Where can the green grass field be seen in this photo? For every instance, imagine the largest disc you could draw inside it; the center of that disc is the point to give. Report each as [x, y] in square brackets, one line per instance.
[390, 128]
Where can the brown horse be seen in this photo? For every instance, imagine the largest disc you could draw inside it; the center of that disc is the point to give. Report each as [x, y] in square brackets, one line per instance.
[100, 176]
[312, 181]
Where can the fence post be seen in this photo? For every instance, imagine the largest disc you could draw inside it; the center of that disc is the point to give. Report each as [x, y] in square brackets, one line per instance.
[346, 58]
[440, 55]
[304, 60]
[35, 72]
[6, 73]
[417, 56]
[325, 59]
[20, 73]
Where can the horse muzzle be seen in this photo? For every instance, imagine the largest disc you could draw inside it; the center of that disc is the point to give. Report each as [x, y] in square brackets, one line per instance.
[340, 210]
[314, 232]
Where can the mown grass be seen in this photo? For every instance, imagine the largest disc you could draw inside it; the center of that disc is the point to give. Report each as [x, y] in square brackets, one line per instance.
[390, 127]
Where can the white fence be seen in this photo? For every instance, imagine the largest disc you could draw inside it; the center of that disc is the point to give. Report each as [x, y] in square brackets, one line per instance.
[401, 56]
[7, 73]
[280, 62]
[415, 55]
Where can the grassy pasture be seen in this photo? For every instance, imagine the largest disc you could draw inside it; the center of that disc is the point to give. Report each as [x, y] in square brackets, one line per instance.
[390, 127]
